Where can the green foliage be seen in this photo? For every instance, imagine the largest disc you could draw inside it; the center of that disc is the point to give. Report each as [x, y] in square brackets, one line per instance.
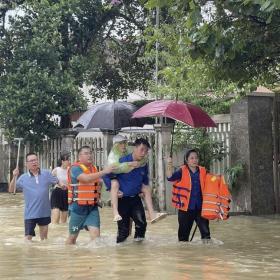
[209, 149]
[233, 173]
[51, 49]
[210, 51]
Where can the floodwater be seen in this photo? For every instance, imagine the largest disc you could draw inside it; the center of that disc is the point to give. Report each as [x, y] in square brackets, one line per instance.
[243, 248]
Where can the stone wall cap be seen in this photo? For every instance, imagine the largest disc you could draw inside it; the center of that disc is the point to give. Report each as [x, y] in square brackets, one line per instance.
[262, 91]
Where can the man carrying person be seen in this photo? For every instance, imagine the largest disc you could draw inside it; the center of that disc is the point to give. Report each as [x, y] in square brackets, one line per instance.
[35, 185]
[83, 195]
[130, 184]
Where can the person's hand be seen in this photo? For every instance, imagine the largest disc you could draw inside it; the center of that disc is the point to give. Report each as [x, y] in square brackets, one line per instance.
[169, 162]
[134, 164]
[109, 169]
[64, 187]
[15, 172]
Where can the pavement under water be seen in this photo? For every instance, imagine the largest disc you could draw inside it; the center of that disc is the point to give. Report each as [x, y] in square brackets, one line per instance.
[244, 247]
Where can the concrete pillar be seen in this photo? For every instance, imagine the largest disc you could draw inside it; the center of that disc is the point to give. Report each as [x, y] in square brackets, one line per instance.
[67, 139]
[108, 143]
[251, 144]
[163, 138]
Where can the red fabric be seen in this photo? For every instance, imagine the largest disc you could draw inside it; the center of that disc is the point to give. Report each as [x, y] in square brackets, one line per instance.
[178, 110]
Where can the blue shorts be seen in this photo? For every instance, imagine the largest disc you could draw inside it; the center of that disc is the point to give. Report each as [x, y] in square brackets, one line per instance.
[80, 221]
[30, 224]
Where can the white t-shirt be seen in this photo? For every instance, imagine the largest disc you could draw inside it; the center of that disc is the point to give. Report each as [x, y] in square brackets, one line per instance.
[61, 175]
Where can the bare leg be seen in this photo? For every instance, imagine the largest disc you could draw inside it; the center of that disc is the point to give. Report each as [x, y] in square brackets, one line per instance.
[63, 216]
[94, 232]
[114, 199]
[71, 240]
[55, 216]
[154, 217]
[148, 200]
[43, 232]
[28, 237]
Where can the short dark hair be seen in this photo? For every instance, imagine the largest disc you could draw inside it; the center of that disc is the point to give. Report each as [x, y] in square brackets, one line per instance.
[142, 141]
[187, 154]
[30, 154]
[84, 148]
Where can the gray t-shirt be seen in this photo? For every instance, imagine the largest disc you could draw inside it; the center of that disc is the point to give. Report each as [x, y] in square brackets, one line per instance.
[36, 193]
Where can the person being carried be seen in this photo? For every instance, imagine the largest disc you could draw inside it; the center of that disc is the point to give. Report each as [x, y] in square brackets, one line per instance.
[84, 195]
[35, 184]
[118, 151]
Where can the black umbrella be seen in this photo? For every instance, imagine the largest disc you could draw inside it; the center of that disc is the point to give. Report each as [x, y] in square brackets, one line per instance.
[110, 116]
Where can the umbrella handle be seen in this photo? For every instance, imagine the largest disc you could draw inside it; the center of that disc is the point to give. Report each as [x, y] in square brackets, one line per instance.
[172, 137]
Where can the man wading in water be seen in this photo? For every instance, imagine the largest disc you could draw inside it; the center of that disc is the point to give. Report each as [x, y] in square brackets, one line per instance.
[35, 185]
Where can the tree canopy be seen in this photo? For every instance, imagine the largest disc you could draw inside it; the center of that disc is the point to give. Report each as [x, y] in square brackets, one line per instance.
[209, 49]
[50, 49]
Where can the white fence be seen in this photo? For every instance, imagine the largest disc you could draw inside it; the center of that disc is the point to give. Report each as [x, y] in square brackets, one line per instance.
[221, 133]
[52, 148]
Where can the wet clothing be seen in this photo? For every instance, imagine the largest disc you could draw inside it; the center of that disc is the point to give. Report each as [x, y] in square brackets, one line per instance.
[131, 207]
[89, 216]
[59, 199]
[122, 166]
[131, 183]
[30, 224]
[81, 216]
[36, 193]
[186, 217]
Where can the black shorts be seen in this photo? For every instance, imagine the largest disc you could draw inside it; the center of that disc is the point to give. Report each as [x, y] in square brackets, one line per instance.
[30, 224]
[59, 199]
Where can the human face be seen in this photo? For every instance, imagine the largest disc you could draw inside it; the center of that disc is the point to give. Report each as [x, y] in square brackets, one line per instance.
[192, 160]
[140, 151]
[32, 163]
[65, 163]
[122, 146]
[86, 156]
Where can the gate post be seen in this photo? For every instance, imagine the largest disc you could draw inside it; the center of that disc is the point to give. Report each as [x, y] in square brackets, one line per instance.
[162, 150]
[252, 145]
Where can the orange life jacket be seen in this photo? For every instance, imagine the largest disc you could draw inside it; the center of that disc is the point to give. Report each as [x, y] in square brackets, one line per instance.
[181, 190]
[85, 193]
[216, 198]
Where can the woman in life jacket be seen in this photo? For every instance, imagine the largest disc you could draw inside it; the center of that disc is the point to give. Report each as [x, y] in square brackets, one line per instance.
[188, 185]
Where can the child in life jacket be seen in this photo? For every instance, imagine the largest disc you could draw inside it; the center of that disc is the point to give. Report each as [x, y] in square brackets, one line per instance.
[119, 150]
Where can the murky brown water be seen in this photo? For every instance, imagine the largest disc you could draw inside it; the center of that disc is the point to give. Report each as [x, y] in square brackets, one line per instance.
[244, 248]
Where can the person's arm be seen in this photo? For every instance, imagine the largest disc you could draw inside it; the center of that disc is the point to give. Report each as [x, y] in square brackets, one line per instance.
[172, 176]
[121, 167]
[12, 185]
[94, 176]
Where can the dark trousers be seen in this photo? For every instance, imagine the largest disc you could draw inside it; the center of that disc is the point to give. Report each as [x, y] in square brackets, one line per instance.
[131, 207]
[186, 219]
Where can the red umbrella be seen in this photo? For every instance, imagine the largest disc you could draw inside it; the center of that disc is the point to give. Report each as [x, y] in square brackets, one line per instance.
[178, 110]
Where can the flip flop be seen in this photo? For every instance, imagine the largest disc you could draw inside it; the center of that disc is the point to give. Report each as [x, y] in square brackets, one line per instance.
[159, 217]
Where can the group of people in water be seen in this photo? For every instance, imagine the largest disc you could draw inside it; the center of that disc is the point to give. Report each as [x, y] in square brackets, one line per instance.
[77, 188]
